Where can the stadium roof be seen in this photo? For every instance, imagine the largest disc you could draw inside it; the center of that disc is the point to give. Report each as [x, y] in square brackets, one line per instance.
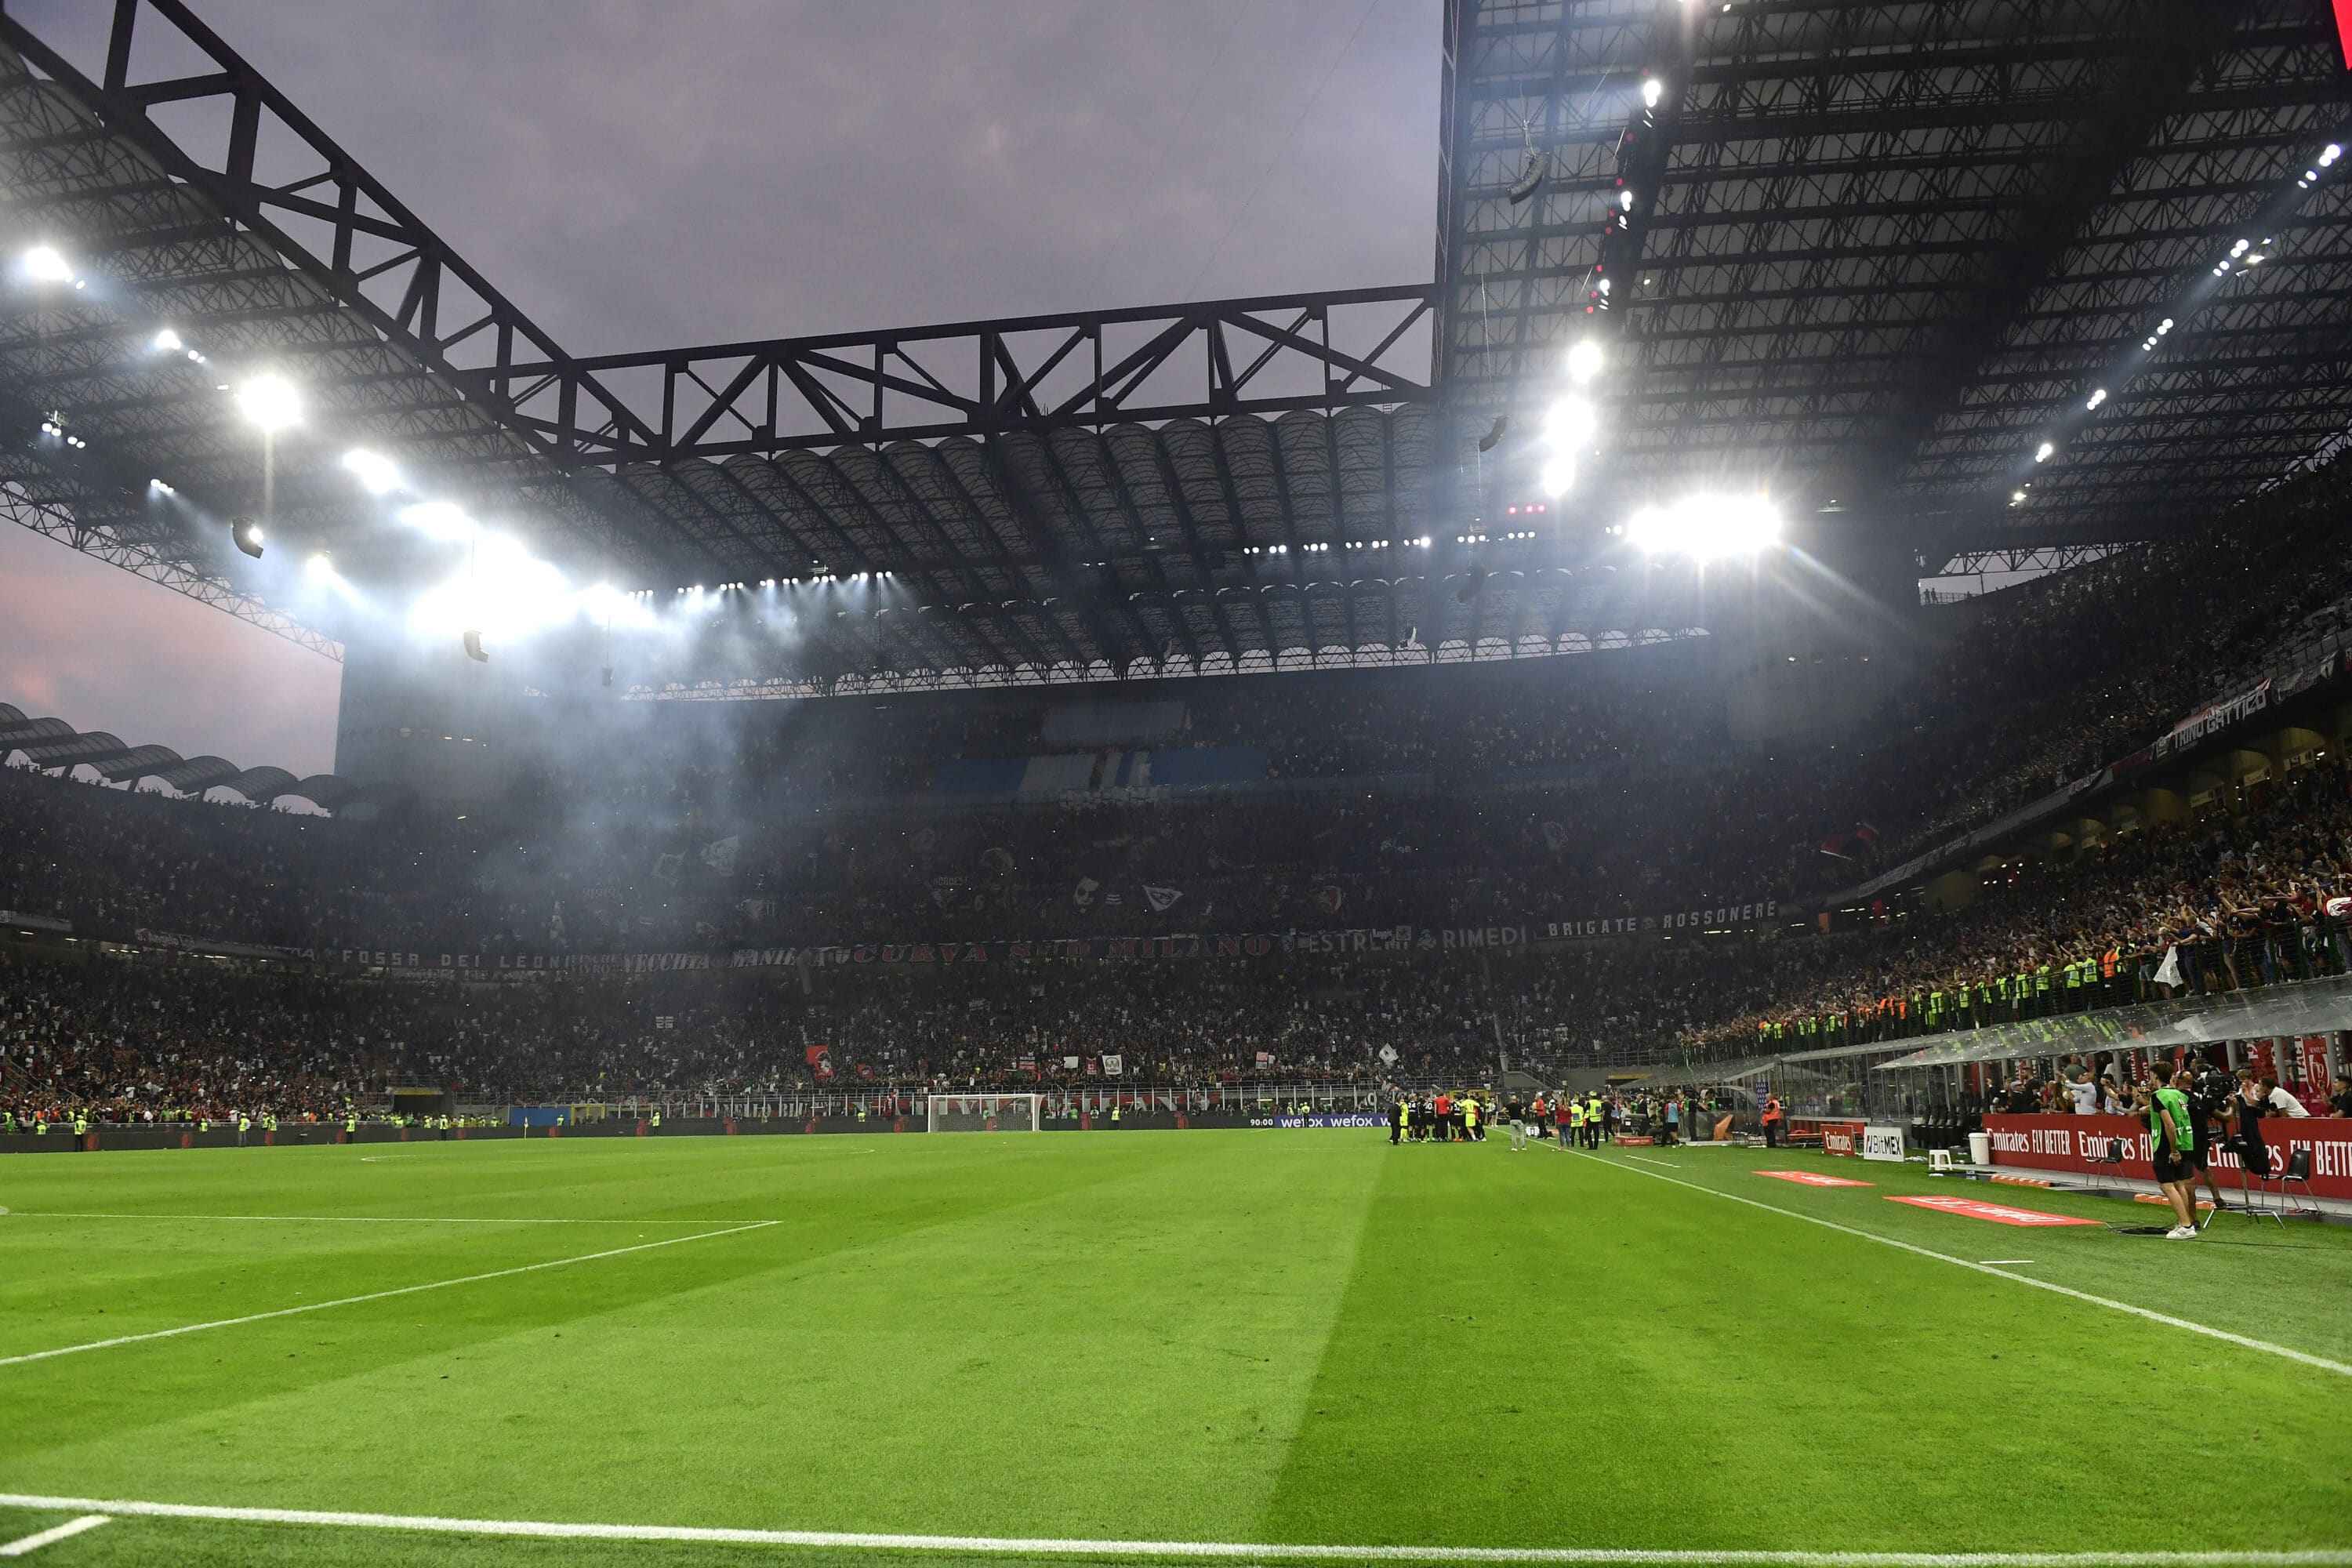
[1874, 255]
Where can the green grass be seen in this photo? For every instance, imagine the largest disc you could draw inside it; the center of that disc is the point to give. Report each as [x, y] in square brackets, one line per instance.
[1294, 1337]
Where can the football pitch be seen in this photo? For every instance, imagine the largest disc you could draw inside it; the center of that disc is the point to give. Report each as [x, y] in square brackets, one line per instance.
[805, 1349]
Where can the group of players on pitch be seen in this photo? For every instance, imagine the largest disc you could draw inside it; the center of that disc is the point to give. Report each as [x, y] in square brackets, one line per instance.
[1443, 1118]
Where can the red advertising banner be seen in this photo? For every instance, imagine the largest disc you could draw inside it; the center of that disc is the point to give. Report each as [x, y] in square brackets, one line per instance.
[2000, 1213]
[2311, 1051]
[2079, 1144]
[1813, 1179]
[1841, 1138]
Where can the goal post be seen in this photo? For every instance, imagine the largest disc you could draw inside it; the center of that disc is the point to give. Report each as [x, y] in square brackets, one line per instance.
[977, 1112]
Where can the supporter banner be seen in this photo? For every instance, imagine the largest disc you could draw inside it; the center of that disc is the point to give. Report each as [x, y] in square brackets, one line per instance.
[2079, 1144]
[33, 922]
[2211, 720]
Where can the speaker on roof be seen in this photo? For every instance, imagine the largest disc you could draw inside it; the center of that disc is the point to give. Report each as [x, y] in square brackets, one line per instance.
[1538, 165]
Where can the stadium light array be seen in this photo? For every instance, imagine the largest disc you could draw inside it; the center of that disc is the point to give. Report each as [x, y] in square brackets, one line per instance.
[1706, 527]
[167, 342]
[374, 470]
[1652, 90]
[44, 264]
[269, 403]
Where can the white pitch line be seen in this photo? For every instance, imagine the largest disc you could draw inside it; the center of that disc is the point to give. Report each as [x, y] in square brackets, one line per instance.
[2322, 1363]
[372, 1296]
[55, 1533]
[2331, 1557]
[361, 1219]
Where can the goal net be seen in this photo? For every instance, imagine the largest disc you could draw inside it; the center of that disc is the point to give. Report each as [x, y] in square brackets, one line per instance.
[985, 1112]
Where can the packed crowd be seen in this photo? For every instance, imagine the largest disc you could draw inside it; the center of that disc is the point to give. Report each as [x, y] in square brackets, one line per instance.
[702, 838]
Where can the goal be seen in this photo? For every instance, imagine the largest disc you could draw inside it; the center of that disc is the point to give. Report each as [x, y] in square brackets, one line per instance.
[985, 1112]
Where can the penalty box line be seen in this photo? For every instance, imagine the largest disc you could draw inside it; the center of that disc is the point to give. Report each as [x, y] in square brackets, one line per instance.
[2245, 1342]
[1048, 1546]
[372, 1296]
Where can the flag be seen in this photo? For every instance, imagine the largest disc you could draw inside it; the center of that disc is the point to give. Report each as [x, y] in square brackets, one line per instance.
[1069, 1064]
[1160, 899]
[1388, 1055]
[1113, 1063]
[2168, 972]
[667, 866]
[1265, 1059]
[820, 1060]
[1083, 895]
[720, 854]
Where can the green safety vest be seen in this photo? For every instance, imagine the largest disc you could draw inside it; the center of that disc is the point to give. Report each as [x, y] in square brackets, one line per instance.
[2178, 1103]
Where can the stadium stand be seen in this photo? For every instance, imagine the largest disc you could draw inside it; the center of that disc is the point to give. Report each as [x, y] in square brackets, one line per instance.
[1417, 808]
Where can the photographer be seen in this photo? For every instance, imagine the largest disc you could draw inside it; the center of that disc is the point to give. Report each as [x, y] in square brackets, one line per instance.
[2212, 1101]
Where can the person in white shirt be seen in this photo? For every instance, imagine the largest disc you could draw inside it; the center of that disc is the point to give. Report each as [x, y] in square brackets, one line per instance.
[2084, 1092]
[2277, 1101]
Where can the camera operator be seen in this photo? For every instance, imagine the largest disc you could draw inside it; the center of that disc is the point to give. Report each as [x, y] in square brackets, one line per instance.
[2247, 1101]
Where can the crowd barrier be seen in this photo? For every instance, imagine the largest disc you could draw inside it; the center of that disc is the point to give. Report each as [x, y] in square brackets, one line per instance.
[62, 1141]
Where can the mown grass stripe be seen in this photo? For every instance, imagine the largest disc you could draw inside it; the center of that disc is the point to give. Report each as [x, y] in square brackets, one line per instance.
[372, 1296]
[1046, 1546]
[2153, 1316]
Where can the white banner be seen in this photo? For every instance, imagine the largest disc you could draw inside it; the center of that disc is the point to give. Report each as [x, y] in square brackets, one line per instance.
[1882, 1144]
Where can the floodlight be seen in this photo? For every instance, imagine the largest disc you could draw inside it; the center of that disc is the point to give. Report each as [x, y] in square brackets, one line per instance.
[269, 402]
[1652, 90]
[1570, 424]
[246, 534]
[2041, 453]
[320, 566]
[440, 519]
[374, 468]
[1584, 360]
[1625, 201]
[2097, 397]
[1708, 528]
[167, 342]
[44, 265]
[2333, 152]
[1558, 475]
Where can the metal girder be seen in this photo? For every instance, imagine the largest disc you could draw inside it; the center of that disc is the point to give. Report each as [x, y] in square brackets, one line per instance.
[1090, 369]
[102, 542]
[2038, 558]
[1886, 239]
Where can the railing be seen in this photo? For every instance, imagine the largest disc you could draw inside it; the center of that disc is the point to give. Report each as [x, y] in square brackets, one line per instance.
[885, 1102]
[2278, 952]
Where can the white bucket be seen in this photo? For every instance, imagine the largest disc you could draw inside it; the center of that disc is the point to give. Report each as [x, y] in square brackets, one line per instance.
[1980, 1148]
